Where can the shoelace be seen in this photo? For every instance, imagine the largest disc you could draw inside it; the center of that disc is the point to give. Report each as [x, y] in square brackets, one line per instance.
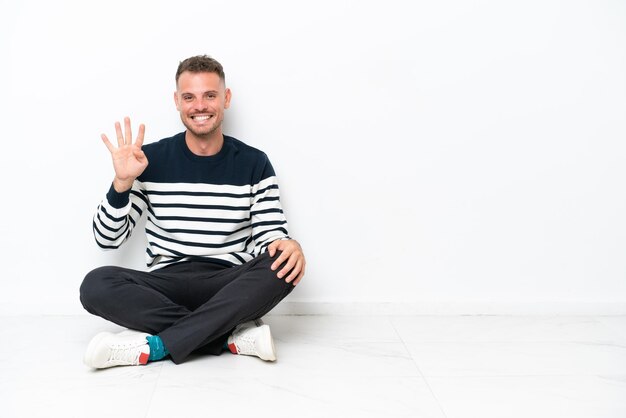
[126, 353]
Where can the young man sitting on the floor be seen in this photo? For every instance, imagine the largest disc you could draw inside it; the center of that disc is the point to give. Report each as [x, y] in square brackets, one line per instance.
[219, 255]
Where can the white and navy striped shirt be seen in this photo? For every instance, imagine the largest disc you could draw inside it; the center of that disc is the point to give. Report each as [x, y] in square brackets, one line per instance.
[224, 208]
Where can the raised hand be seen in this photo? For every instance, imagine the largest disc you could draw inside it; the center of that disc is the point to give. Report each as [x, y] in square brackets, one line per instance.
[129, 161]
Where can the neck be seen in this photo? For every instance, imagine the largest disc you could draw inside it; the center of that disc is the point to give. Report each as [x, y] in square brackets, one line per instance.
[205, 146]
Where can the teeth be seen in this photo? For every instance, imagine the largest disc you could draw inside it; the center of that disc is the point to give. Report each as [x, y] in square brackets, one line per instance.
[200, 118]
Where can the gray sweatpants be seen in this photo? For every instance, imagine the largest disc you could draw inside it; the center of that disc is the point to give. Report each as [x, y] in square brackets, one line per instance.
[192, 306]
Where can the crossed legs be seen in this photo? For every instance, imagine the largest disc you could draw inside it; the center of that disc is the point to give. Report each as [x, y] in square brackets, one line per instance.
[192, 306]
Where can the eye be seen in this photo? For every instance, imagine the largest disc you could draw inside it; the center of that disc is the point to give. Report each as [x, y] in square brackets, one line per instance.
[187, 97]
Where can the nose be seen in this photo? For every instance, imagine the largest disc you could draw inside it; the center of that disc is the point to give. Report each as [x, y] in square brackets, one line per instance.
[201, 104]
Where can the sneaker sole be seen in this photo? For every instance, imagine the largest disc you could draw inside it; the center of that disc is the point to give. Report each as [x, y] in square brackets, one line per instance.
[267, 341]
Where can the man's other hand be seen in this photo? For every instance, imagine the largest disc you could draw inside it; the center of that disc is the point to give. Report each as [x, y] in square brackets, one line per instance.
[293, 256]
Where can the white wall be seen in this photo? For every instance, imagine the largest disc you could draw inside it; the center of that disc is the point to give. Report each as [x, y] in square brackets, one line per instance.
[443, 156]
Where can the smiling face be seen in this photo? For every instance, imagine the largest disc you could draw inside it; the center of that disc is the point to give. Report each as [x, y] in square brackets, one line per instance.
[201, 98]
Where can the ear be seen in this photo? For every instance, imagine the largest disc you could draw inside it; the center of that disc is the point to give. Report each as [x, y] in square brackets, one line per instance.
[227, 99]
[176, 101]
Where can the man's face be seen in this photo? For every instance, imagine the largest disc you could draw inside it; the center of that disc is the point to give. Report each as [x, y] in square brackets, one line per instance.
[201, 99]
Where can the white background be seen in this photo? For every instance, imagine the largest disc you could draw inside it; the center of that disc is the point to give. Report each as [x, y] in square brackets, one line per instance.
[457, 156]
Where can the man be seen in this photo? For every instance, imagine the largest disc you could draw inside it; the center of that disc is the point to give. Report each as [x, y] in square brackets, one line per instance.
[219, 256]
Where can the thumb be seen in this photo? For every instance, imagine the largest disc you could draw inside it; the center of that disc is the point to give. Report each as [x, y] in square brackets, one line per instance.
[139, 155]
[272, 248]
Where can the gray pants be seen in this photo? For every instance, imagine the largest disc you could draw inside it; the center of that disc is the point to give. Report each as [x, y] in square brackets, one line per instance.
[192, 306]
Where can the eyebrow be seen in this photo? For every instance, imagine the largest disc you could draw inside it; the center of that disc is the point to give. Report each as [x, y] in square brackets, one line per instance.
[206, 92]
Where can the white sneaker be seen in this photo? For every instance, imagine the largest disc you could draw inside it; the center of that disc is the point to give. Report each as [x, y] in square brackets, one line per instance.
[253, 338]
[124, 349]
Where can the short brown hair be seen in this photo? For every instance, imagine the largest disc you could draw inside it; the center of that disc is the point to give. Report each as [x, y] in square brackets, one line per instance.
[201, 64]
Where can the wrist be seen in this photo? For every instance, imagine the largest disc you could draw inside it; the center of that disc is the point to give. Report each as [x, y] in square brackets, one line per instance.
[122, 186]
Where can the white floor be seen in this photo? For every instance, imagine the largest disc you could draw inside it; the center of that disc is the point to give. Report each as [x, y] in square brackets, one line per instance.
[333, 366]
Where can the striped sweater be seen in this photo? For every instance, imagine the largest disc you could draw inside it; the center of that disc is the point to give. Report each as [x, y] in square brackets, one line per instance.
[224, 208]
